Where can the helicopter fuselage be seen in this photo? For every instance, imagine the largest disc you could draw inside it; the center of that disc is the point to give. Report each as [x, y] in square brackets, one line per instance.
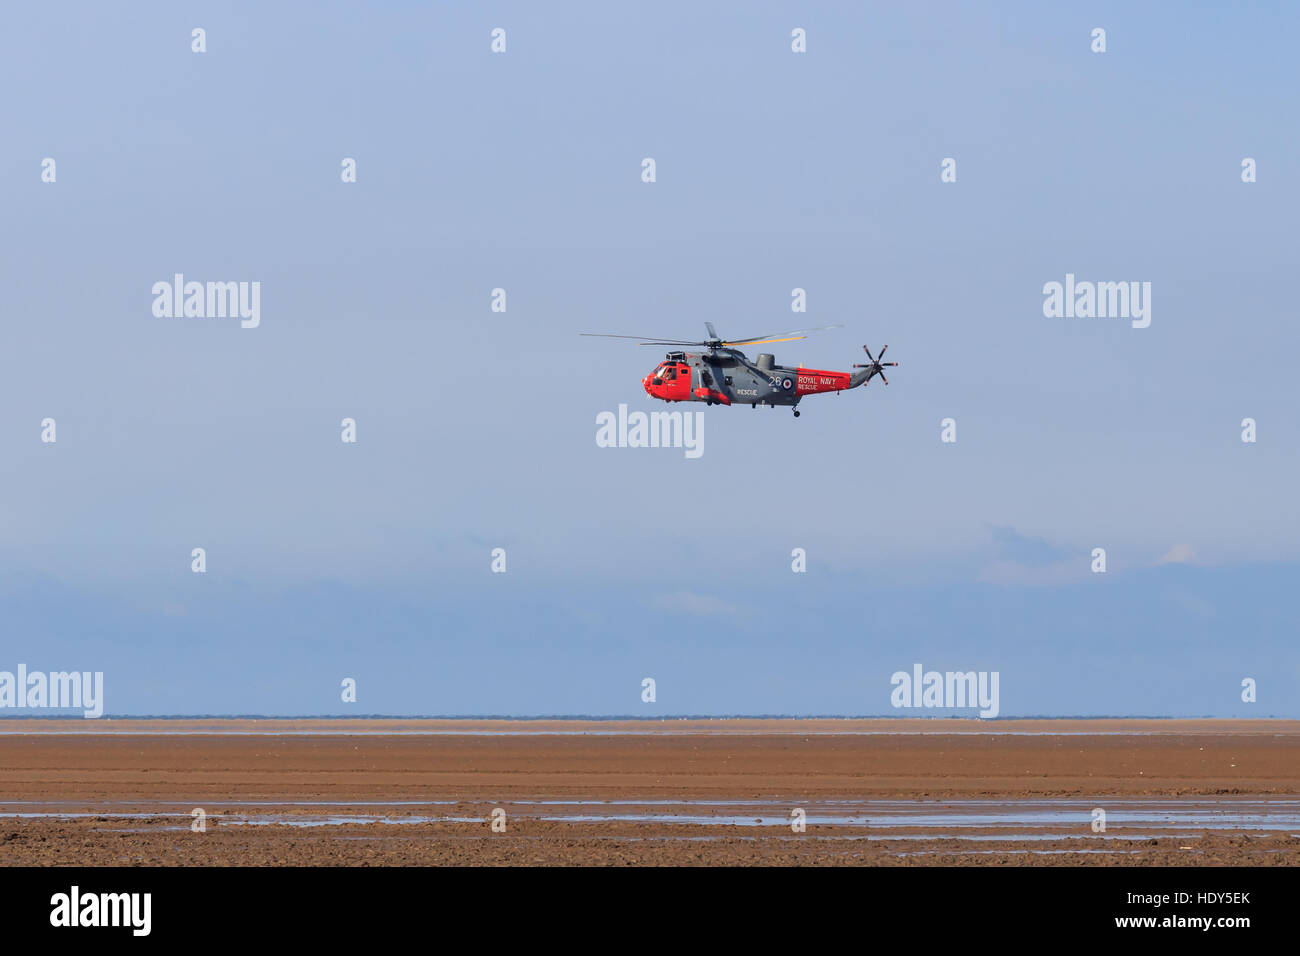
[725, 376]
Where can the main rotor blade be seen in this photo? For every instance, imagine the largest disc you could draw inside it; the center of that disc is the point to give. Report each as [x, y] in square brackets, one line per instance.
[792, 336]
[765, 341]
[645, 339]
[755, 340]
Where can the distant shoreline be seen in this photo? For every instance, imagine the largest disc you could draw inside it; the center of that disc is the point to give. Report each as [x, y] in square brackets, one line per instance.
[637, 718]
[652, 727]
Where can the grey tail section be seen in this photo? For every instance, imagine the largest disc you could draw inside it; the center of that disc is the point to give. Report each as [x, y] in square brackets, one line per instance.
[877, 366]
[862, 376]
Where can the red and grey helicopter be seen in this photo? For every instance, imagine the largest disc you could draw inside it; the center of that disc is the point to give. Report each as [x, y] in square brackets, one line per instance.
[722, 375]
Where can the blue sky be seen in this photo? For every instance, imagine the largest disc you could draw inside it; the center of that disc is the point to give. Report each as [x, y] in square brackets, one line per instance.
[476, 429]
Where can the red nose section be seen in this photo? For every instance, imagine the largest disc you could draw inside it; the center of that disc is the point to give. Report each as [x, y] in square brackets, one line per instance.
[670, 382]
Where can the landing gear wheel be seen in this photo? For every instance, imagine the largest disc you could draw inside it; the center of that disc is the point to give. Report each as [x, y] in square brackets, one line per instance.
[796, 413]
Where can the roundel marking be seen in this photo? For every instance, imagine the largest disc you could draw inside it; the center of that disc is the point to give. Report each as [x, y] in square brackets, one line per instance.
[786, 384]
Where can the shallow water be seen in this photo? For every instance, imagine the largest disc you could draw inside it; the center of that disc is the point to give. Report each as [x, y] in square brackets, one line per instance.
[975, 820]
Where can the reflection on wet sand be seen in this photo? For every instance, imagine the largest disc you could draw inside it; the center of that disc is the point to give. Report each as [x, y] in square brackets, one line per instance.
[884, 820]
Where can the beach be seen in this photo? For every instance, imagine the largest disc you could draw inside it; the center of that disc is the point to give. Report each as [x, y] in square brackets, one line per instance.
[722, 792]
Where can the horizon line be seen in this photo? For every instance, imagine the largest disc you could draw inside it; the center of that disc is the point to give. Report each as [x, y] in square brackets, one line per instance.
[613, 717]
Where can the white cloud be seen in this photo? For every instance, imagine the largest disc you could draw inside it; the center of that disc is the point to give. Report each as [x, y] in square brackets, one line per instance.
[1178, 554]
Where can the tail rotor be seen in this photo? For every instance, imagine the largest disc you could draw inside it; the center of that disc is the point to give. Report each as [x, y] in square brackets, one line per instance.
[877, 366]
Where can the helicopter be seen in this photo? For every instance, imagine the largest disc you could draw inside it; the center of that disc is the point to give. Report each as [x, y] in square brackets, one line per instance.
[723, 375]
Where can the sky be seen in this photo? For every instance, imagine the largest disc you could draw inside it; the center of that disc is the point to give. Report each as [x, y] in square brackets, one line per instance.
[774, 170]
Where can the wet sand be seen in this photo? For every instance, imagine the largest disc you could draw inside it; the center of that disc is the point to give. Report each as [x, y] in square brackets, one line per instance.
[886, 792]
